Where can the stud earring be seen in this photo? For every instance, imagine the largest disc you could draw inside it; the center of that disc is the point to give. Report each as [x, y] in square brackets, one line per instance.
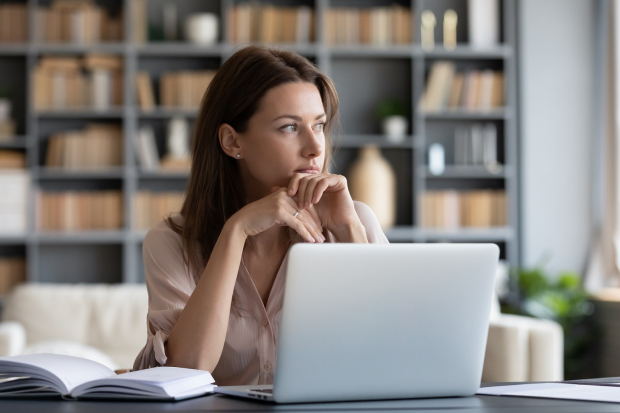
[238, 155]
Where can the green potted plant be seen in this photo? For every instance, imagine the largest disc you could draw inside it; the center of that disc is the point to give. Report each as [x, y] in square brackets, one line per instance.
[561, 298]
[393, 116]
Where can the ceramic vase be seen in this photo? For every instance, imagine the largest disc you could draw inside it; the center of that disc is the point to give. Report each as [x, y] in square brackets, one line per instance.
[201, 28]
[395, 128]
[372, 181]
[483, 16]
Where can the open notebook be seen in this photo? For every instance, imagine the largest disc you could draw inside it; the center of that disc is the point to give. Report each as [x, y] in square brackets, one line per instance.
[78, 378]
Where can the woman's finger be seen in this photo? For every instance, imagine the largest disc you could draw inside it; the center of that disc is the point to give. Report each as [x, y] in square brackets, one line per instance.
[310, 224]
[295, 223]
[320, 188]
[294, 184]
[301, 191]
[312, 183]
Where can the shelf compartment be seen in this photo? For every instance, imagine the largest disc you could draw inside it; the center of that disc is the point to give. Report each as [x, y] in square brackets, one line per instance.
[75, 262]
[16, 142]
[363, 83]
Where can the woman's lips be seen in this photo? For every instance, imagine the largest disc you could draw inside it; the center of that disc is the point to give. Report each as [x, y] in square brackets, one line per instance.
[307, 171]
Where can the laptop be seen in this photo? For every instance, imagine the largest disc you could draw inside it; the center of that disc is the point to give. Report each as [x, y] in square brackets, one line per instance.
[381, 321]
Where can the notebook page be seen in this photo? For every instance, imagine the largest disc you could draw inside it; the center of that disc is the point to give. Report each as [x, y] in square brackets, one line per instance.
[67, 371]
[563, 391]
[158, 380]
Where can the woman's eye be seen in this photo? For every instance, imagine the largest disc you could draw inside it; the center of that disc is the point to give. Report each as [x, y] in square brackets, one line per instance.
[320, 127]
[289, 128]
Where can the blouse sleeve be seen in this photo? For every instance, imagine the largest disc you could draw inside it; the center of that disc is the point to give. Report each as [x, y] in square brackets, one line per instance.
[369, 220]
[169, 285]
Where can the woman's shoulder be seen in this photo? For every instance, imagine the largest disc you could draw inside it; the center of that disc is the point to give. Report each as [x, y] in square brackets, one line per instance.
[163, 236]
[370, 222]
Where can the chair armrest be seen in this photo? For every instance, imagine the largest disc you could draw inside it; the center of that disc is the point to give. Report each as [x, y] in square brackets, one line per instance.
[546, 351]
[507, 353]
[522, 348]
[12, 338]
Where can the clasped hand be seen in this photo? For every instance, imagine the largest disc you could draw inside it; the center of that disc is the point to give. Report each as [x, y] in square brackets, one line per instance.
[322, 200]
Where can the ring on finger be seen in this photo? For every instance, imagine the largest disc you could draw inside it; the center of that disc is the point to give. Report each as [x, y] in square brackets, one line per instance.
[296, 213]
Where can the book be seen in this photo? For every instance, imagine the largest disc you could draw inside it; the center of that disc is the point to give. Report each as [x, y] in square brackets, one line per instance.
[452, 209]
[12, 273]
[146, 96]
[78, 378]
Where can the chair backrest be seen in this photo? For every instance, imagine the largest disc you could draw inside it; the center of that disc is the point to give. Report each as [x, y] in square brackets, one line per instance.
[111, 318]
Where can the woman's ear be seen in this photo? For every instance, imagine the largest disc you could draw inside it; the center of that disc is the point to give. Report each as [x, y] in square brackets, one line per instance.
[229, 141]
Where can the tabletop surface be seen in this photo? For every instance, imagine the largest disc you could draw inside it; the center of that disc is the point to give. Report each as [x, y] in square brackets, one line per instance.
[221, 403]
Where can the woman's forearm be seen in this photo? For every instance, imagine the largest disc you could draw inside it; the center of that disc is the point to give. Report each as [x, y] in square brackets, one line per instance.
[197, 339]
[354, 233]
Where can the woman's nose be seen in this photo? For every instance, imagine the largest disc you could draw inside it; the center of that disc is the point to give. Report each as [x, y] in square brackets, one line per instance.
[313, 143]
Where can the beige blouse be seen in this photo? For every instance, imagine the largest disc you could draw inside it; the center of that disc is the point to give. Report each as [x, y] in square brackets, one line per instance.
[249, 354]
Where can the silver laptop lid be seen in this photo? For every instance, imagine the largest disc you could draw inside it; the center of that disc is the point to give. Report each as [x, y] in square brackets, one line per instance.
[384, 321]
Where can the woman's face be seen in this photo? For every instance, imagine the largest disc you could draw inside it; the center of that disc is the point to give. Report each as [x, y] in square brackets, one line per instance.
[284, 137]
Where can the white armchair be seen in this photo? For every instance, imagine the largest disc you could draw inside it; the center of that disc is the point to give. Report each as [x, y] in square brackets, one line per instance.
[523, 349]
[107, 323]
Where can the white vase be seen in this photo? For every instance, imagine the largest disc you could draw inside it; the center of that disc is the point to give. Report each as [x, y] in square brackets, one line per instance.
[483, 16]
[395, 128]
[202, 28]
[372, 181]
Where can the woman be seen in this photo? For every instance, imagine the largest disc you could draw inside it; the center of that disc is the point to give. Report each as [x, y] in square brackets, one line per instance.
[259, 183]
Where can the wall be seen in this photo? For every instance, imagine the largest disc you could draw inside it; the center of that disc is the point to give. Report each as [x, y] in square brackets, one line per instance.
[557, 70]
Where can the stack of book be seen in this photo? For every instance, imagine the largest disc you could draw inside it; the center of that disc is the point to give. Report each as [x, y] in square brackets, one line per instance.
[77, 21]
[255, 22]
[13, 23]
[476, 144]
[83, 210]
[96, 81]
[12, 159]
[182, 89]
[455, 209]
[376, 26]
[152, 207]
[475, 90]
[14, 187]
[97, 146]
[12, 272]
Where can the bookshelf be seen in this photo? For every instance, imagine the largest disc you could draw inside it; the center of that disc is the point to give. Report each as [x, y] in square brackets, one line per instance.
[398, 70]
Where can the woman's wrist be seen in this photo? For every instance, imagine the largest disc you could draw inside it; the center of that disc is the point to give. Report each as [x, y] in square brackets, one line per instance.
[353, 232]
[235, 229]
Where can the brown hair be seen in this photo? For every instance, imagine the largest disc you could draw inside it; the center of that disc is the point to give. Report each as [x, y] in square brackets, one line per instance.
[215, 190]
